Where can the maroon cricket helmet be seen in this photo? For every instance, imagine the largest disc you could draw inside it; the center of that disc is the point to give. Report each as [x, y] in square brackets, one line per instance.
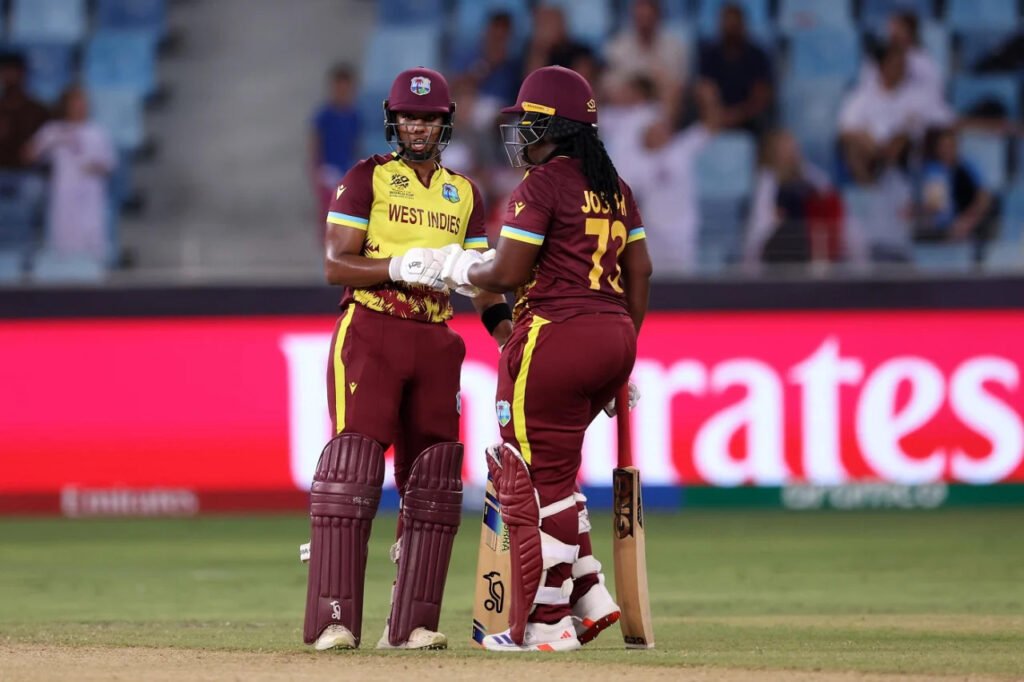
[556, 91]
[420, 91]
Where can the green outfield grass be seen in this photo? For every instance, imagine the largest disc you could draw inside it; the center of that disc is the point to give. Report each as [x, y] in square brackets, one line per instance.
[925, 592]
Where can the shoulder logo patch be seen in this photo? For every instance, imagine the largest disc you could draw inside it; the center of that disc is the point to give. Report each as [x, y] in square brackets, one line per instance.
[519, 208]
[339, 192]
[449, 192]
[504, 411]
[399, 180]
[420, 85]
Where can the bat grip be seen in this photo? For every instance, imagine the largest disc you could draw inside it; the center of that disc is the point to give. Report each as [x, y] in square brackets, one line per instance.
[623, 426]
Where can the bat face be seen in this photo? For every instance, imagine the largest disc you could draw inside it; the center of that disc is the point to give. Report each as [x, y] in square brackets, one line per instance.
[630, 555]
[490, 613]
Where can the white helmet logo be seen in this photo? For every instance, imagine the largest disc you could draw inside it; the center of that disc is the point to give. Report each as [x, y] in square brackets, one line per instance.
[420, 85]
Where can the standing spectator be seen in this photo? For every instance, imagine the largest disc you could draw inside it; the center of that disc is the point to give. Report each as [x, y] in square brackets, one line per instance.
[880, 118]
[81, 156]
[778, 228]
[922, 69]
[551, 44]
[647, 50]
[955, 204]
[740, 72]
[493, 66]
[335, 132]
[20, 118]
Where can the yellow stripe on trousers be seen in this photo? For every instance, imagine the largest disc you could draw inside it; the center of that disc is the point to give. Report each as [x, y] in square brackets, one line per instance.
[339, 370]
[519, 391]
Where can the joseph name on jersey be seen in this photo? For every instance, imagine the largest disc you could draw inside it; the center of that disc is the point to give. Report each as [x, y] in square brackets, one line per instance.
[384, 197]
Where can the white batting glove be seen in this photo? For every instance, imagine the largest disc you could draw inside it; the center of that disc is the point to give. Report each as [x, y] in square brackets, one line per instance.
[634, 397]
[419, 266]
[455, 272]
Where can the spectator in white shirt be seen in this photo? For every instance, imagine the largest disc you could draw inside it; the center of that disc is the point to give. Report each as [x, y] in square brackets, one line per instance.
[879, 119]
[646, 49]
[922, 69]
[81, 157]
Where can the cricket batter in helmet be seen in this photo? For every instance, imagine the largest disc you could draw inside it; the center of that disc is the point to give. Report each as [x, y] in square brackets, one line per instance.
[573, 247]
[393, 374]
[419, 91]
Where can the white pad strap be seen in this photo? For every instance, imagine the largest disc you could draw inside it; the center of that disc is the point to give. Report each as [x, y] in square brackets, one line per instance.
[559, 506]
[554, 595]
[586, 565]
[395, 553]
[579, 497]
[555, 551]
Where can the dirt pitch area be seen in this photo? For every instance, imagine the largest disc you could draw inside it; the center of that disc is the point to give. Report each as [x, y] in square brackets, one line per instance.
[38, 663]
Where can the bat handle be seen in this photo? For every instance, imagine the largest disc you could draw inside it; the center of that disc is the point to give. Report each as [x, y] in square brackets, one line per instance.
[623, 426]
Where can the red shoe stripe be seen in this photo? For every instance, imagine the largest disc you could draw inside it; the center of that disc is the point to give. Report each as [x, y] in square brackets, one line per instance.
[595, 627]
[544, 647]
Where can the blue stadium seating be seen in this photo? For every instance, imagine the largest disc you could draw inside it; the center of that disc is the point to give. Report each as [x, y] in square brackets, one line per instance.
[60, 21]
[968, 91]
[140, 15]
[935, 39]
[976, 44]
[588, 21]
[942, 257]
[988, 153]
[58, 269]
[121, 60]
[119, 110]
[50, 68]
[394, 49]
[966, 15]
[875, 13]
[471, 15]
[810, 109]
[757, 13]
[825, 53]
[801, 15]
[1013, 216]
[725, 167]
[11, 264]
[410, 12]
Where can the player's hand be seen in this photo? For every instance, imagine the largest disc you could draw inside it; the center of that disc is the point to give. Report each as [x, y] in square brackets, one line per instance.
[455, 272]
[634, 397]
[419, 266]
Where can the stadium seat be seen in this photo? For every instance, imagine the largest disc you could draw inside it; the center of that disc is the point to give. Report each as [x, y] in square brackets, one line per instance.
[410, 12]
[59, 269]
[588, 21]
[139, 15]
[935, 39]
[1006, 252]
[875, 13]
[970, 91]
[58, 21]
[725, 168]
[801, 15]
[942, 257]
[50, 68]
[976, 44]
[825, 53]
[122, 60]
[757, 13]
[393, 49]
[987, 152]
[967, 15]
[471, 15]
[15, 223]
[120, 112]
[11, 265]
[810, 109]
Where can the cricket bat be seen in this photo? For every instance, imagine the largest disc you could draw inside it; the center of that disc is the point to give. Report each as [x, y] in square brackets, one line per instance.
[493, 569]
[628, 540]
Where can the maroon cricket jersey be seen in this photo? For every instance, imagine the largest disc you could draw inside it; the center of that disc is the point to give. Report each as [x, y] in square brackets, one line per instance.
[577, 270]
[383, 197]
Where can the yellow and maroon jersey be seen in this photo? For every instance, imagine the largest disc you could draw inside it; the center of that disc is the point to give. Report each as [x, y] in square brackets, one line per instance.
[384, 198]
[581, 240]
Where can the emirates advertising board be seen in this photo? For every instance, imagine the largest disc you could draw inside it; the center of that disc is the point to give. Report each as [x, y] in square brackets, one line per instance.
[178, 415]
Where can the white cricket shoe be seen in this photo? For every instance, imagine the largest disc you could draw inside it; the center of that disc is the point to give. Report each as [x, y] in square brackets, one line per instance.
[335, 637]
[558, 636]
[420, 638]
[594, 612]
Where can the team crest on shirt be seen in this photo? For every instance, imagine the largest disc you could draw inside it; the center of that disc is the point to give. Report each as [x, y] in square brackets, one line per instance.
[420, 85]
[504, 412]
[450, 193]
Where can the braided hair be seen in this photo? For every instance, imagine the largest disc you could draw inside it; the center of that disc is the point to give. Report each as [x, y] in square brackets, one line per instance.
[580, 141]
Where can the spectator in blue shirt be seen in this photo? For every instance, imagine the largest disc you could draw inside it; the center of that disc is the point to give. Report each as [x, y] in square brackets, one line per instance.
[334, 135]
[493, 65]
[740, 71]
[955, 204]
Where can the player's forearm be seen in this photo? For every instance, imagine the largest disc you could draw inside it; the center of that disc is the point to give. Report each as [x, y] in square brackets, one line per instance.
[485, 300]
[491, 276]
[637, 294]
[350, 270]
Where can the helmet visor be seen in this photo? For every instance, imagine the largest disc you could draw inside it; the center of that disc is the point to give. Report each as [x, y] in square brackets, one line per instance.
[516, 137]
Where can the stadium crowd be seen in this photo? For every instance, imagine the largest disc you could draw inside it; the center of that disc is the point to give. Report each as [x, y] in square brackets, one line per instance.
[766, 132]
